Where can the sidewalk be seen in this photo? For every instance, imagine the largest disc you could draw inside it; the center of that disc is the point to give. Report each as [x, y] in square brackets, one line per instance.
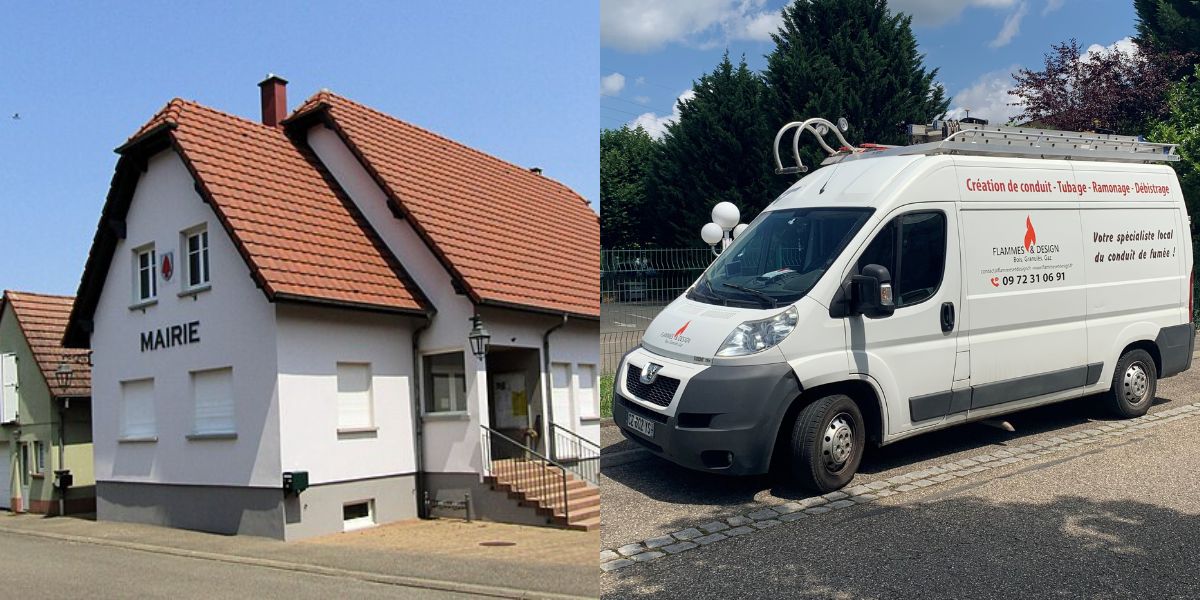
[439, 554]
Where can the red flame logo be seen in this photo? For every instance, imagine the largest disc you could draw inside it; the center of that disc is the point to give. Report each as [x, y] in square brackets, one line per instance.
[682, 329]
[1030, 235]
[168, 267]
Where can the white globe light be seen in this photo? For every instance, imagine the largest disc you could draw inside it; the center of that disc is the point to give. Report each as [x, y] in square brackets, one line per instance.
[711, 234]
[739, 229]
[726, 215]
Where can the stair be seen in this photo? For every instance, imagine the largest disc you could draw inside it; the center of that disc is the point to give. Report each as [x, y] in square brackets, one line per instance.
[540, 487]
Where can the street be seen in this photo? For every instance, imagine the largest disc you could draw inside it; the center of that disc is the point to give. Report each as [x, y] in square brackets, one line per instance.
[1073, 504]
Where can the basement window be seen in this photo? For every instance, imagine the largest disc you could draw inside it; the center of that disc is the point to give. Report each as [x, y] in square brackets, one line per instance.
[357, 515]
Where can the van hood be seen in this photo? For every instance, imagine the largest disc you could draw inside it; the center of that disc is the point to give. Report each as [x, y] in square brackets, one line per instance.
[694, 331]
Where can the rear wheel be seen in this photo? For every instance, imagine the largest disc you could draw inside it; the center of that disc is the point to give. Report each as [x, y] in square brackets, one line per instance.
[1134, 384]
[827, 443]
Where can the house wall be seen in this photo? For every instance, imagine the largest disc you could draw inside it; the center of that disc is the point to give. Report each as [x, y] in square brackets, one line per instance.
[237, 329]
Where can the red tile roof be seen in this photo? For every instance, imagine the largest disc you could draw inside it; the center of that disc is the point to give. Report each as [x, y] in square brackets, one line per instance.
[512, 237]
[43, 319]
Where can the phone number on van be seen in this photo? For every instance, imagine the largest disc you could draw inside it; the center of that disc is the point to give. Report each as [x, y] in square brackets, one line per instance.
[1030, 278]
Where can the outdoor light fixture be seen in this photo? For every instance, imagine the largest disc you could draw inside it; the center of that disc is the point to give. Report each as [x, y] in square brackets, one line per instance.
[724, 227]
[479, 337]
[62, 375]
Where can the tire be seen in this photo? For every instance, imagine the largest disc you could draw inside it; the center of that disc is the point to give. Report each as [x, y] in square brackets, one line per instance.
[825, 455]
[1134, 384]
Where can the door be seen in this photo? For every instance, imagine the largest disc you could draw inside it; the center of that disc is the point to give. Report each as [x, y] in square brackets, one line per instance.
[6, 476]
[511, 408]
[910, 354]
[25, 464]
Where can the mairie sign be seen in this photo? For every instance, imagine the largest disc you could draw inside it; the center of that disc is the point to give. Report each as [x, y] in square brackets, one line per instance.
[169, 337]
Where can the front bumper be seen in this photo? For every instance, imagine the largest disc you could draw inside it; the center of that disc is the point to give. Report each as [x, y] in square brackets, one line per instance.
[722, 419]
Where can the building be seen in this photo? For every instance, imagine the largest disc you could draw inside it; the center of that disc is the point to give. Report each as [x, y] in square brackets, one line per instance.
[295, 300]
[45, 409]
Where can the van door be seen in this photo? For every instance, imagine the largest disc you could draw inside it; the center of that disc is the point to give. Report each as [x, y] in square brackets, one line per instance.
[911, 353]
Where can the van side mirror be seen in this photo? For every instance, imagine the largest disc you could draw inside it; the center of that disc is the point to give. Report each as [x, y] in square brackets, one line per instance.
[871, 292]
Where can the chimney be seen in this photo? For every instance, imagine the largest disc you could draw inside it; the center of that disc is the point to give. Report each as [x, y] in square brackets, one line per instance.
[535, 170]
[274, 99]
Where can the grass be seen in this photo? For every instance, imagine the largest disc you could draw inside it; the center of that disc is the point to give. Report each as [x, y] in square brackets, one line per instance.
[606, 396]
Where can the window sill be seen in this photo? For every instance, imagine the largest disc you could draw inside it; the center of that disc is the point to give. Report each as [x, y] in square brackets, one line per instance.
[138, 439]
[352, 433]
[218, 435]
[143, 304]
[37, 475]
[195, 291]
[447, 416]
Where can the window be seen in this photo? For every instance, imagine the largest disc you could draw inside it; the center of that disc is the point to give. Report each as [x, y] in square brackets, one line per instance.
[137, 409]
[39, 458]
[145, 275]
[195, 246]
[445, 383]
[357, 515]
[588, 400]
[212, 394]
[354, 396]
[919, 240]
[24, 466]
[9, 394]
[560, 389]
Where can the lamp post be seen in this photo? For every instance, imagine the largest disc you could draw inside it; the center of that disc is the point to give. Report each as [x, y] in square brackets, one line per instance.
[479, 337]
[62, 476]
[62, 375]
[724, 227]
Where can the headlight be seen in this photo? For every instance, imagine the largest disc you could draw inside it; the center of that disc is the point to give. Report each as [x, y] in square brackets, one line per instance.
[756, 336]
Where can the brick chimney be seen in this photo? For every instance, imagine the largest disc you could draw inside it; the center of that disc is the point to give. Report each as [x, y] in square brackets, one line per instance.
[274, 99]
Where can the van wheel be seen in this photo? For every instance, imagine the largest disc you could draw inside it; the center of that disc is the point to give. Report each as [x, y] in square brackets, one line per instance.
[827, 443]
[1134, 384]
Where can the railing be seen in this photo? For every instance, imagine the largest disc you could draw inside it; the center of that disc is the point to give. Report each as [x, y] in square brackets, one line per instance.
[576, 453]
[519, 466]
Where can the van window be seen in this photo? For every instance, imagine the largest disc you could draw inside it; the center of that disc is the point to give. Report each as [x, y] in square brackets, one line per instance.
[919, 239]
[780, 257]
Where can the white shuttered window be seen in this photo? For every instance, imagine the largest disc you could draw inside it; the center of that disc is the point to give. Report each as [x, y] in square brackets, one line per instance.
[588, 399]
[354, 396]
[9, 396]
[137, 408]
[212, 393]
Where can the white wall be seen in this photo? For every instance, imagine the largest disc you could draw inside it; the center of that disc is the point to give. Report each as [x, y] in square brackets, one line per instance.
[311, 343]
[237, 329]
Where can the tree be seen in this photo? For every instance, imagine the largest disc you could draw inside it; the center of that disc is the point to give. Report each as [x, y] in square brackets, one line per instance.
[1107, 90]
[718, 150]
[1168, 26]
[1182, 126]
[625, 156]
[853, 59]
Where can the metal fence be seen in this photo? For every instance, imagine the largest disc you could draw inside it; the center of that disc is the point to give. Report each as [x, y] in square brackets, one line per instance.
[634, 286]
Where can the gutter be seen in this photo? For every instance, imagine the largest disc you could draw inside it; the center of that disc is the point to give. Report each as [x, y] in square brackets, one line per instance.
[549, 383]
[418, 424]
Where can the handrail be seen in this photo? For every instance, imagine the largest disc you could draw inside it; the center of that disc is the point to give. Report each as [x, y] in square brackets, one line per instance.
[577, 453]
[533, 471]
[801, 127]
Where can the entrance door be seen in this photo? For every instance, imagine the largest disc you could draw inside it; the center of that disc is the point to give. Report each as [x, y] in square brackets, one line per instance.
[6, 476]
[26, 458]
[911, 353]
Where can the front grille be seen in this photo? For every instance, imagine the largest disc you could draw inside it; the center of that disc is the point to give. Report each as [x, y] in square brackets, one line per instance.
[660, 393]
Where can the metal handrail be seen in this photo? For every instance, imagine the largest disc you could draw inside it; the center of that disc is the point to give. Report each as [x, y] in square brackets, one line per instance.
[533, 471]
[810, 125]
[577, 453]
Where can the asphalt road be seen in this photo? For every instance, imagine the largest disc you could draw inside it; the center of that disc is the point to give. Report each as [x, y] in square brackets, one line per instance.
[43, 568]
[1110, 520]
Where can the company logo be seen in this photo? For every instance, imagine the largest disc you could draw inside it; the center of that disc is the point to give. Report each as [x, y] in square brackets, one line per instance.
[167, 266]
[677, 339]
[650, 373]
[1030, 234]
[682, 329]
[1029, 245]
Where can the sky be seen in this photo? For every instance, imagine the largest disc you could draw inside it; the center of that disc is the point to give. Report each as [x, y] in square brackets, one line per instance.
[513, 79]
[652, 50]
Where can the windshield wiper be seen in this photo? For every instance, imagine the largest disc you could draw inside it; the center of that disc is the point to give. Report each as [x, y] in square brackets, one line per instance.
[771, 303]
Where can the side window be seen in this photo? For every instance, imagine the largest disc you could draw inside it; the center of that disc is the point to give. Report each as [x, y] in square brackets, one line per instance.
[913, 248]
[145, 274]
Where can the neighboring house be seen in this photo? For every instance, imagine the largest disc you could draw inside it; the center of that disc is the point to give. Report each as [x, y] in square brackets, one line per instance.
[45, 409]
[293, 299]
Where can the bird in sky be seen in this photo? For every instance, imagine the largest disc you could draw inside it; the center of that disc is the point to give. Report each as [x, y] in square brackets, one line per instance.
[16, 116]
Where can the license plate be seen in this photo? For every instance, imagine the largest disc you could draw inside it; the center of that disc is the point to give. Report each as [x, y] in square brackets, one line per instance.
[640, 424]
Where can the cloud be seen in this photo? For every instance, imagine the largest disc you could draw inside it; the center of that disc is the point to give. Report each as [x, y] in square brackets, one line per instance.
[934, 13]
[987, 98]
[641, 80]
[655, 125]
[1052, 5]
[1011, 27]
[647, 25]
[1124, 45]
[642, 99]
[612, 84]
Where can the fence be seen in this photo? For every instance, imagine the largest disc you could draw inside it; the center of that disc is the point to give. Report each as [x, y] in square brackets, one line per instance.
[634, 286]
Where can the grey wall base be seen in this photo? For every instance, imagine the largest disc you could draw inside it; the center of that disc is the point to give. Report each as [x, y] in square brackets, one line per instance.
[486, 503]
[318, 510]
[216, 509]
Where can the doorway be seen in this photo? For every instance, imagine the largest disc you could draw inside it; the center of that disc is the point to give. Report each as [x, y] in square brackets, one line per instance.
[515, 398]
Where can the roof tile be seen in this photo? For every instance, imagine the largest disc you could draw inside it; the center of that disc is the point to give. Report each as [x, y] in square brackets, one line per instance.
[43, 319]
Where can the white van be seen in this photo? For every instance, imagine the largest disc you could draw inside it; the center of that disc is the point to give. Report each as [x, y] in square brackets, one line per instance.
[903, 290]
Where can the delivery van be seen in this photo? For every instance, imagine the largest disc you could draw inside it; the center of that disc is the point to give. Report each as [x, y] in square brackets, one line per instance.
[901, 290]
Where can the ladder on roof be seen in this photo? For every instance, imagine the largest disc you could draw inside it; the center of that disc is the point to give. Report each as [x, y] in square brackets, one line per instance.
[954, 137]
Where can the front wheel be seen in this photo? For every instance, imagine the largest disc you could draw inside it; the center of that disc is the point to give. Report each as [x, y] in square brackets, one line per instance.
[1134, 383]
[827, 443]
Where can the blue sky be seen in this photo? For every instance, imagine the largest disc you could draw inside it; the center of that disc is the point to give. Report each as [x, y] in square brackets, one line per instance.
[658, 47]
[514, 79]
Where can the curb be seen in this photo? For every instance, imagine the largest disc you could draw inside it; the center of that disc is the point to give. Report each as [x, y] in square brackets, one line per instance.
[396, 580]
[765, 515]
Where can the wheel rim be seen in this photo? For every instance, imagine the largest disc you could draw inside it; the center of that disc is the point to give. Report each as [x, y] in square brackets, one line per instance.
[1135, 385]
[838, 442]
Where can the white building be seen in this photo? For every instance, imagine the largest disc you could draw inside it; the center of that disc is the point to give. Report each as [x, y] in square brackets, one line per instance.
[295, 297]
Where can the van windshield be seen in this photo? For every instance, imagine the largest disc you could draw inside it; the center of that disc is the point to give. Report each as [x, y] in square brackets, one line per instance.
[780, 257]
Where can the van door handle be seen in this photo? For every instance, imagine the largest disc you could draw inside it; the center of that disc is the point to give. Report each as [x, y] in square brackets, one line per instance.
[947, 316]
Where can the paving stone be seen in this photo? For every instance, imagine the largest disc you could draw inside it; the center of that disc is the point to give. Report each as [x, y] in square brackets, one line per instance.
[763, 514]
[690, 533]
[877, 485]
[899, 479]
[659, 542]
[925, 482]
[680, 547]
[831, 496]
[966, 462]
[920, 475]
[647, 556]
[1028, 455]
[886, 493]
[739, 521]
[984, 458]
[1002, 453]
[631, 549]
[864, 498]
[856, 490]
[840, 504]
[908, 487]
[607, 555]
[935, 470]
[943, 477]
[705, 540]
[767, 523]
[817, 510]
[613, 565]
[796, 516]
[788, 508]
[739, 531]
[713, 527]
[811, 502]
